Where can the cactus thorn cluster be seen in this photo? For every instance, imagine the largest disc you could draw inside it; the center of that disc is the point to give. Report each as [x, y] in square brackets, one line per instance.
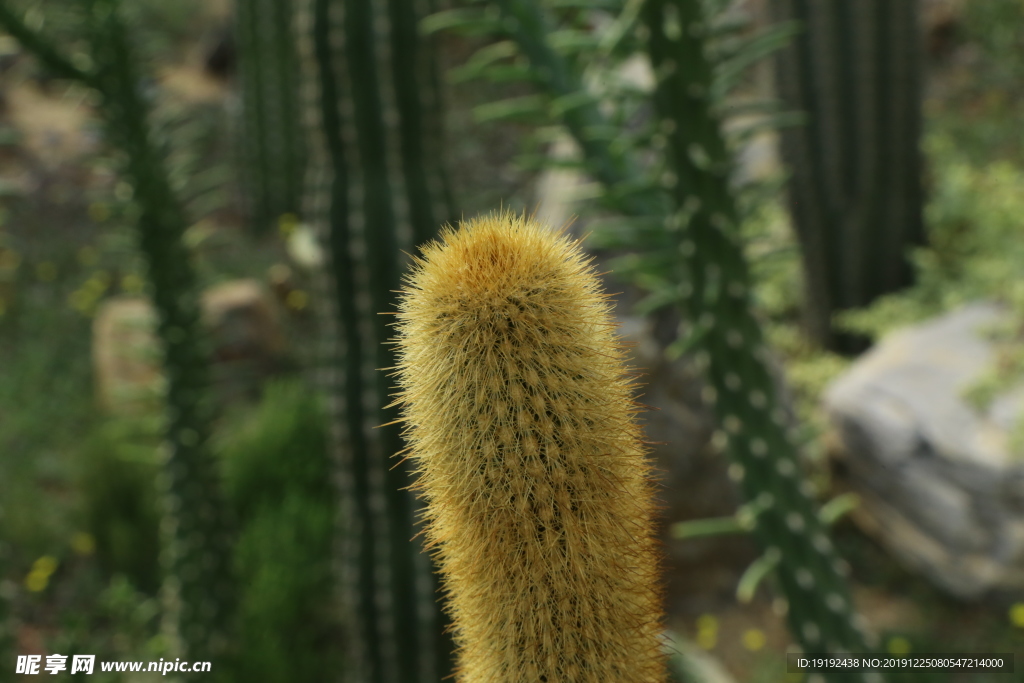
[520, 421]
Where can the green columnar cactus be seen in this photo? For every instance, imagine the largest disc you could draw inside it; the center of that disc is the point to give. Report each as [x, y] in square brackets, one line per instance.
[521, 423]
[270, 143]
[698, 253]
[196, 558]
[376, 195]
[198, 574]
[855, 184]
[715, 295]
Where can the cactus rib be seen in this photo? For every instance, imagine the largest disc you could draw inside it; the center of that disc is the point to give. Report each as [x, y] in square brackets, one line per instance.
[369, 198]
[270, 145]
[855, 192]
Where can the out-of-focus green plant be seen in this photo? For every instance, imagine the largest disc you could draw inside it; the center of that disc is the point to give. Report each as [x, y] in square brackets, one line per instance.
[197, 581]
[7, 625]
[975, 251]
[270, 141]
[277, 476]
[112, 620]
[118, 468]
[379, 190]
[979, 100]
[855, 182]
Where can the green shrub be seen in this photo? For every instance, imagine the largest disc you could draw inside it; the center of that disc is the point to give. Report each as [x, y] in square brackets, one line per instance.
[277, 478]
[117, 477]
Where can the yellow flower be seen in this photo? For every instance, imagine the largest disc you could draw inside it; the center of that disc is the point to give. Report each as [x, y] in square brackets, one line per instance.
[132, 284]
[88, 256]
[37, 581]
[83, 300]
[297, 299]
[1017, 614]
[707, 631]
[899, 645]
[287, 223]
[39, 577]
[46, 271]
[83, 543]
[754, 639]
[47, 564]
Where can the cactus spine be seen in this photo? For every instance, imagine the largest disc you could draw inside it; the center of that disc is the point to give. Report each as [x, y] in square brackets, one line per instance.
[521, 424]
[373, 192]
[270, 145]
[855, 189]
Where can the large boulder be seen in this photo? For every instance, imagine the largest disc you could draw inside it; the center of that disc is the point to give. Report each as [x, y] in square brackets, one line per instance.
[246, 338]
[940, 488]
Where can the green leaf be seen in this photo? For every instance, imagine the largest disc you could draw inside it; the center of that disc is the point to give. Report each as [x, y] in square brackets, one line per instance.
[833, 510]
[758, 569]
[684, 345]
[622, 25]
[467, 21]
[699, 528]
[527, 107]
[561, 105]
[508, 73]
[481, 59]
[730, 68]
[607, 5]
[655, 301]
[786, 119]
[569, 41]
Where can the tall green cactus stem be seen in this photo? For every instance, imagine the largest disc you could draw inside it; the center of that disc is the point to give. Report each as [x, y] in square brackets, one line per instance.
[56, 63]
[715, 295]
[701, 254]
[855, 186]
[374, 193]
[198, 581]
[522, 426]
[197, 562]
[270, 143]
[197, 584]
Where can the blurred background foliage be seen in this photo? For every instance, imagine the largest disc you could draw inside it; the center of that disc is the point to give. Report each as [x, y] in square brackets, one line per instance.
[79, 526]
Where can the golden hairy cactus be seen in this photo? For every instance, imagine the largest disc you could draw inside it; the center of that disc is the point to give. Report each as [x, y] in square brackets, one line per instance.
[521, 425]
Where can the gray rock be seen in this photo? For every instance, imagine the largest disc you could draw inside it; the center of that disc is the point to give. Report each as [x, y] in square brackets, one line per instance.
[940, 488]
[248, 346]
